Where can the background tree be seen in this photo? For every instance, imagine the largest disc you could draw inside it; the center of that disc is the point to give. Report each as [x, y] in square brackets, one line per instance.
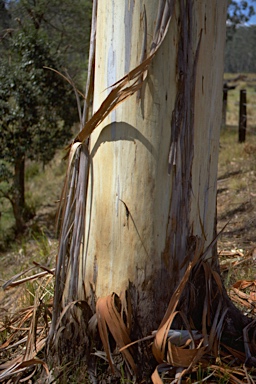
[37, 113]
[38, 107]
[139, 205]
[240, 55]
[4, 23]
[67, 25]
[238, 13]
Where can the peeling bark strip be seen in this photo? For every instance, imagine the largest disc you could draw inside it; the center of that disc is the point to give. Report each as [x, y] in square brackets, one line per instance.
[182, 140]
[91, 66]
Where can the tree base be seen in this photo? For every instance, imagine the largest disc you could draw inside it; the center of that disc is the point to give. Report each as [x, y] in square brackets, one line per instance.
[203, 303]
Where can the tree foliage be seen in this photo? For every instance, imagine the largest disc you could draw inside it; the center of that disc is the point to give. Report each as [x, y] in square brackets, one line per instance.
[37, 106]
[66, 23]
[240, 55]
[239, 13]
[241, 38]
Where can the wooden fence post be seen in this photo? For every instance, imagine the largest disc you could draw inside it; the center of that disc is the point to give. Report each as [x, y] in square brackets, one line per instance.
[242, 117]
[224, 105]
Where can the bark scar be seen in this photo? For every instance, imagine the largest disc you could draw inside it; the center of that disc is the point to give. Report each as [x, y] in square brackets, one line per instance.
[127, 212]
[129, 215]
[143, 50]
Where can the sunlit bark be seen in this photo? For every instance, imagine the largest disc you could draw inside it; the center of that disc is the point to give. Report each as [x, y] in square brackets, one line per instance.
[149, 206]
[152, 188]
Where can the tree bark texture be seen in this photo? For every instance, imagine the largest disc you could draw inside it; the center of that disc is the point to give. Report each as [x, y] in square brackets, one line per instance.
[152, 181]
[18, 198]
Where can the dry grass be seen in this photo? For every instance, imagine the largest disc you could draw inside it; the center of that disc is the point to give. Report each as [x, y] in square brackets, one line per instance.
[248, 83]
[43, 189]
[237, 247]
[236, 199]
[237, 190]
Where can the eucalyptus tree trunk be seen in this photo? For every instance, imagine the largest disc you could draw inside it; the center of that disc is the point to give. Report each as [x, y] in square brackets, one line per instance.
[151, 192]
[154, 158]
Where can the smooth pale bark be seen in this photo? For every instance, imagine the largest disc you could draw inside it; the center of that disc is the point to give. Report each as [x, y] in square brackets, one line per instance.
[152, 184]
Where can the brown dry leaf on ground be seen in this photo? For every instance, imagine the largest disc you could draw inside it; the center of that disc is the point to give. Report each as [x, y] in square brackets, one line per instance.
[243, 293]
[23, 336]
[110, 317]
